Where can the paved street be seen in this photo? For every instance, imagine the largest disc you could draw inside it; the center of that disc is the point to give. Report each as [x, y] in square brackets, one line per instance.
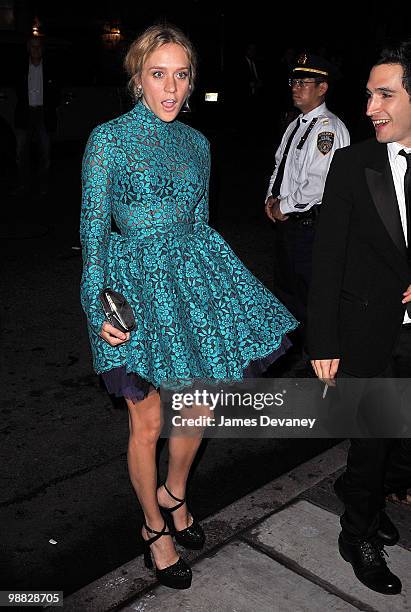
[62, 441]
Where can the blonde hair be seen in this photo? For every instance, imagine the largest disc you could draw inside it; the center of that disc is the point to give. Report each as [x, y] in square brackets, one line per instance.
[150, 40]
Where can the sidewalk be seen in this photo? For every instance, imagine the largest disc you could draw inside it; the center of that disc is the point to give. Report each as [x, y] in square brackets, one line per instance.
[273, 550]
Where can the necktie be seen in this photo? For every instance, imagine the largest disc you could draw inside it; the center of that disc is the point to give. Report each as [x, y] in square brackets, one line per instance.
[407, 194]
[275, 190]
[253, 69]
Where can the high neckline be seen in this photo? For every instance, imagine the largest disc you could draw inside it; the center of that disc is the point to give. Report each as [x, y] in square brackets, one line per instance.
[145, 113]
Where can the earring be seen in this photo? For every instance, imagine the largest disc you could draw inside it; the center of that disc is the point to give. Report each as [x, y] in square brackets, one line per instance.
[186, 107]
[139, 91]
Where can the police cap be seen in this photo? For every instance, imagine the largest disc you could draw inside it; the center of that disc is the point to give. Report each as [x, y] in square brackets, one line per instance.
[312, 66]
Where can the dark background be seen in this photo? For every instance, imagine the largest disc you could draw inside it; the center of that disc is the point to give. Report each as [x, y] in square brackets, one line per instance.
[74, 34]
[62, 441]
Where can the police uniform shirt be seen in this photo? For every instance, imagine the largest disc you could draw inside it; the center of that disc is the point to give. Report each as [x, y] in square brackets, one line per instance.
[307, 166]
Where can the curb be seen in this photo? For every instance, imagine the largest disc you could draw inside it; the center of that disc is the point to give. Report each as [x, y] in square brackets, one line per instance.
[130, 580]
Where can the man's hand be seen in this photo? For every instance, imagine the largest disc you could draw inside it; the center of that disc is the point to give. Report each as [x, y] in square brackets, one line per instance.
[326, 369]
[407, 295]
[272, 210]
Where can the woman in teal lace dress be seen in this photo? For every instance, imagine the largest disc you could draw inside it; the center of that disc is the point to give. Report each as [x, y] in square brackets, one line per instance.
[199, 312]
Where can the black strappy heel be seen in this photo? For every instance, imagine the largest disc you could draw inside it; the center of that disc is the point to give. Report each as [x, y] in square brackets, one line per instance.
[193, 536]
[176, 576]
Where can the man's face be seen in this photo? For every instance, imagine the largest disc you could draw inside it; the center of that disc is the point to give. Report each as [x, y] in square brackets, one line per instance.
[389, 105]
[35, 49]
[308, 96]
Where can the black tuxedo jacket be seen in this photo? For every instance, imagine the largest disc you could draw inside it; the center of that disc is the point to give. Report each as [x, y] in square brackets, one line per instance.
[360, 266]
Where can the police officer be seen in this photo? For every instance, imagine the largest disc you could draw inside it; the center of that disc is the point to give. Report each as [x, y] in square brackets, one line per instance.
[296, 186]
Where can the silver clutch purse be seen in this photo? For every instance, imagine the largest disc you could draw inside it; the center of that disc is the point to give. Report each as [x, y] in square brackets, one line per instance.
[117, 310]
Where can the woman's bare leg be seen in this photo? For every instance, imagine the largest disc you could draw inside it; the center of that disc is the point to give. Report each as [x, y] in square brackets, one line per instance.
[183, 446]
[145, 427]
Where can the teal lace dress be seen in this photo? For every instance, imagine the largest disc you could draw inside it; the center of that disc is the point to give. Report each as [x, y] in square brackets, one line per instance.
[199, 312]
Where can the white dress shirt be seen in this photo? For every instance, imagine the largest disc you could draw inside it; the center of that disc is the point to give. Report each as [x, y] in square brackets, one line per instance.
[398, 165]
[35, 84]
[306, 168]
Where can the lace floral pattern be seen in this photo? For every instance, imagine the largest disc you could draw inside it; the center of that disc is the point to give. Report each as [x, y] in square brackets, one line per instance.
[200, 313]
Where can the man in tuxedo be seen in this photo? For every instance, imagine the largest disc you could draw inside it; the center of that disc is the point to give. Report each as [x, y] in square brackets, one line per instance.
[35, 115]
[359, 323]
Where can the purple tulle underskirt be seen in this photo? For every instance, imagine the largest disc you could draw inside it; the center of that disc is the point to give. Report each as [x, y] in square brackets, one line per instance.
[134, 387]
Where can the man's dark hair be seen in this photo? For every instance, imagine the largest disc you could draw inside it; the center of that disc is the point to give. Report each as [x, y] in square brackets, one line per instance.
[399, 54]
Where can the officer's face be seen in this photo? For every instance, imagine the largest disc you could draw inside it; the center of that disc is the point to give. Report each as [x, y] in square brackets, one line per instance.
[308, 97]
[389, 105]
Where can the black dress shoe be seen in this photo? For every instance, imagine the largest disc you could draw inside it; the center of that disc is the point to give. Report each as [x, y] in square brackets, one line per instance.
[176, 576]
[368, 563]
[193, 536]
[387, 531]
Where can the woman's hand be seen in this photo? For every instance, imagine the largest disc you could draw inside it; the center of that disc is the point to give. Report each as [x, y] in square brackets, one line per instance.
[112, 335]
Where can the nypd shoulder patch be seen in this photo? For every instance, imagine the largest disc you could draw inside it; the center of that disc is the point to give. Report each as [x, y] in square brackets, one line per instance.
[325, 141]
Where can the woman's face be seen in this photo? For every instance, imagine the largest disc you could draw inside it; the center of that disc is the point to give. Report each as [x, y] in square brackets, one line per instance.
[165, 80]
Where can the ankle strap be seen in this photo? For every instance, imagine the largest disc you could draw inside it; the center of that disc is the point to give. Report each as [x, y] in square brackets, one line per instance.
[158, 534]
[171, 495]
[181, 502]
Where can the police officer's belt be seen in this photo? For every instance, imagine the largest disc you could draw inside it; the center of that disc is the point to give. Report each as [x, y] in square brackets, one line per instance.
[305, 218]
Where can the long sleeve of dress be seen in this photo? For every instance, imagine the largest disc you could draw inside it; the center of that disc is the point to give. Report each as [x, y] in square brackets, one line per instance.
[201, 209]
[199, 313]
[95, 223]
